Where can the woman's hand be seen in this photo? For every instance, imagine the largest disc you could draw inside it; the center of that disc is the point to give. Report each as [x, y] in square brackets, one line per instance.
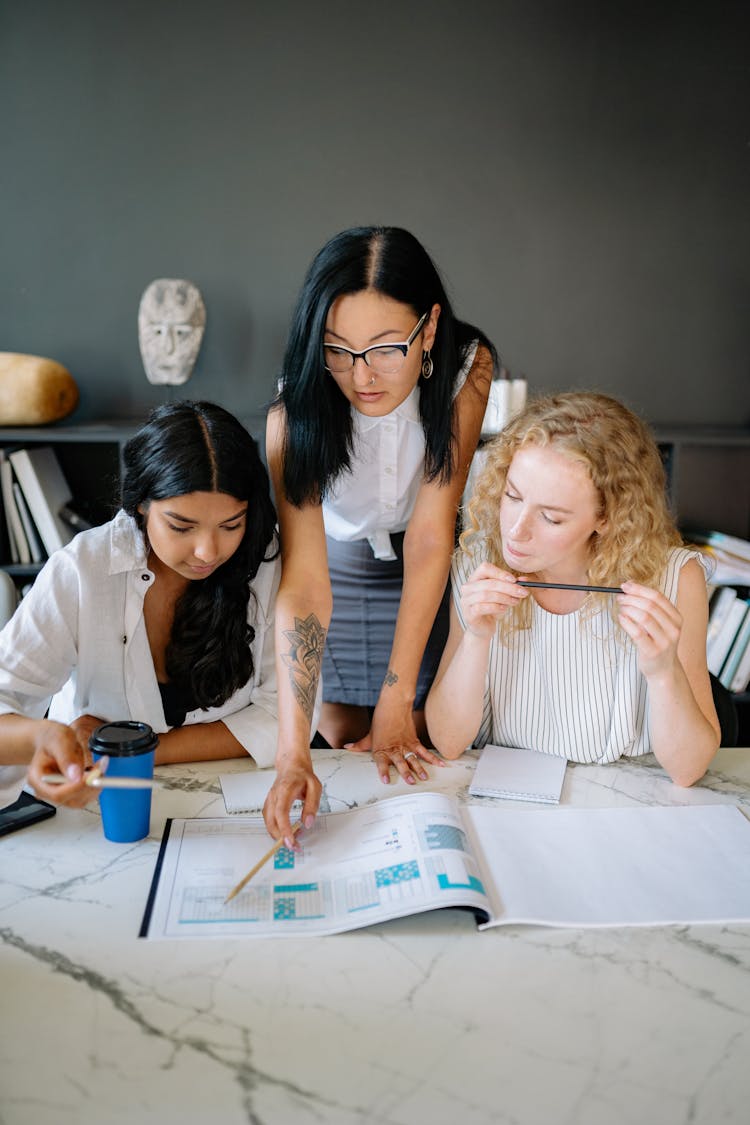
[295, 780]
[59, 749]
[487, 595]
[83, 727]
[653, 624]
[394, 741]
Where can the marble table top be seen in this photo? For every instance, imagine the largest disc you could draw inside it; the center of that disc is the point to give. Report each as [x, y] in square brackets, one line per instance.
[418, 1020]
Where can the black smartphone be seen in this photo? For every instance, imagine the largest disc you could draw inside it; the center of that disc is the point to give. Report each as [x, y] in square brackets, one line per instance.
[28, 809]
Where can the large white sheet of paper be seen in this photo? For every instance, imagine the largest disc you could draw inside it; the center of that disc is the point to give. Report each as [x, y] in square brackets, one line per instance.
[404, 855]
[615, 867]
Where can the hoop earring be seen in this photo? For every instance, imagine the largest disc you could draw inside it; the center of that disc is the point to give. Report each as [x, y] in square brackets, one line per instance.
[427, 365]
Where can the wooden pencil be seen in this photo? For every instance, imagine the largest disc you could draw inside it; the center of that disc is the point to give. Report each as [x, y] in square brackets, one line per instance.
[103, 781]
[280, 843]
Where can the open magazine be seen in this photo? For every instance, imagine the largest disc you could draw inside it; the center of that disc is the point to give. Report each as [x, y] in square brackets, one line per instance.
[405, 855]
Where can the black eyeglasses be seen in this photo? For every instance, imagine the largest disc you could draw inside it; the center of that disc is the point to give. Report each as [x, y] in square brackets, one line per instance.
[385, 359]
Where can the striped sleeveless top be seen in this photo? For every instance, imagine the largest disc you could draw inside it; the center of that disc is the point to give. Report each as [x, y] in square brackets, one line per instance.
[565, 686]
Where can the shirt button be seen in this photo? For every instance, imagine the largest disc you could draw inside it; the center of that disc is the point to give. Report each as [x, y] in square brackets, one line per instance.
[389, 470]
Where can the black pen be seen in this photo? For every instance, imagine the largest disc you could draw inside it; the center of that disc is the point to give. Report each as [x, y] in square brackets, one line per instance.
[571, 586]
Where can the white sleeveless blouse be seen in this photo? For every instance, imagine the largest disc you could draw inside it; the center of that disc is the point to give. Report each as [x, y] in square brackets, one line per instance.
[568, 687]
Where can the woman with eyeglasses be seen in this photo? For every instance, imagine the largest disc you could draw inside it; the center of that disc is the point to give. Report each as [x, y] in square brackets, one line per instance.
[369, 442]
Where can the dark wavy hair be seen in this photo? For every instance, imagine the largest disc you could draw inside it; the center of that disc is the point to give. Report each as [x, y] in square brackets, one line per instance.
[200, 447]
[393, 262]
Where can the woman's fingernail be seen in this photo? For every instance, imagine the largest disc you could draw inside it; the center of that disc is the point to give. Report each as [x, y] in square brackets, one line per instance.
[73, 772]
[409, 780]
[384, 778]
[309, 821]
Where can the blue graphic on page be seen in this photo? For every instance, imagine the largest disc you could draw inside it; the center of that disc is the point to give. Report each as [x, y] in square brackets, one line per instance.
[473, 884]
[284, 859]
[398, 873]
[445, 836]
[296, 901]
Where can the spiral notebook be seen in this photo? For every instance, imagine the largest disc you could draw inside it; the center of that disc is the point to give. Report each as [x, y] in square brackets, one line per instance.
[518, 775]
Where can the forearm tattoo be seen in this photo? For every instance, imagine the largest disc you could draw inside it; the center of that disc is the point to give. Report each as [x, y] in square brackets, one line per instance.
[304, 659]
[390, 679]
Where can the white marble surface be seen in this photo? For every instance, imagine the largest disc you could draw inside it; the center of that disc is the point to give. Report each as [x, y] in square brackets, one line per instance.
[421, 1020]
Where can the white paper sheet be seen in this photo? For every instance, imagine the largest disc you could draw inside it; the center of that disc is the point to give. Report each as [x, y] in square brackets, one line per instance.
[614, 867]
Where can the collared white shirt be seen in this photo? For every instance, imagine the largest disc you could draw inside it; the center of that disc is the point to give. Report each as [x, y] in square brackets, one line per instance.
[78, 644]
[377, 496]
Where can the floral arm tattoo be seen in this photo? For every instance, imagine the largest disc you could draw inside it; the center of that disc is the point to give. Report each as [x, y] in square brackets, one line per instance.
[304, 659]
[390, 678]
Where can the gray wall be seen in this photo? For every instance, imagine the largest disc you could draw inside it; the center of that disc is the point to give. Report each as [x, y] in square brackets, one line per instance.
[579, 172]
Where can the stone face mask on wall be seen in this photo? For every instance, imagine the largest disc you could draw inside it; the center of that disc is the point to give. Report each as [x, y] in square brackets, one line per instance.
[171, 321]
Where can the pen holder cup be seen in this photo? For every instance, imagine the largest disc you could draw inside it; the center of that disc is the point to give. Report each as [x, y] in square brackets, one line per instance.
[130, 747]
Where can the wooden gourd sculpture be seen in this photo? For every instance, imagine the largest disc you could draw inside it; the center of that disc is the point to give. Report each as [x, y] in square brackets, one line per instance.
[34, 390]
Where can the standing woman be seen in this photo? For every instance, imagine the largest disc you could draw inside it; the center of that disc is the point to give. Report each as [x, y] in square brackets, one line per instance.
[164, 614]
[382, 397]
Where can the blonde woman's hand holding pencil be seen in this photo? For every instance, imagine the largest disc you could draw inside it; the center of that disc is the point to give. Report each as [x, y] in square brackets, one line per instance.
[486, 596]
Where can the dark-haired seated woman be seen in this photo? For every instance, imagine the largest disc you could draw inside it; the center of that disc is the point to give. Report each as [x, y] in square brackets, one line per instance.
[164, 614]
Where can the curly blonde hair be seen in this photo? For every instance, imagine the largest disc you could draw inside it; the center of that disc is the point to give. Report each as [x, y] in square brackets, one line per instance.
[623, 463]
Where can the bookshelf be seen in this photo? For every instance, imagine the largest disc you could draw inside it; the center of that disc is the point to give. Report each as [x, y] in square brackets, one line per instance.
[90, 455]
[708, 473]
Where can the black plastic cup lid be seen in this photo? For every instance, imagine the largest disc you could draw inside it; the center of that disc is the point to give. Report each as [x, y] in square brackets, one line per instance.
[122, 738]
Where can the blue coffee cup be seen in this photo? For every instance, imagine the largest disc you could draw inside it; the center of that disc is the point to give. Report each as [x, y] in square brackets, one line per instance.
[130, 747]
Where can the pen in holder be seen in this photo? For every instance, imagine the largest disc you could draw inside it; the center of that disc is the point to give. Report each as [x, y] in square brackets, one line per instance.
[506, 399]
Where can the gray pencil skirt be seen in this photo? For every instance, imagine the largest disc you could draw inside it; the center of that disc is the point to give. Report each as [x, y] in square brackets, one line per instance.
[366, 598]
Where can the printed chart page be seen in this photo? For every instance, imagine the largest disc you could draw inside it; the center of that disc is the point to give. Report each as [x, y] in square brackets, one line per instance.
[387, 860]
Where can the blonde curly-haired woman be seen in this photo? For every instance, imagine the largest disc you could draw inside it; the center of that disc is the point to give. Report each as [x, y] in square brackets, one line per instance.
[573, 492]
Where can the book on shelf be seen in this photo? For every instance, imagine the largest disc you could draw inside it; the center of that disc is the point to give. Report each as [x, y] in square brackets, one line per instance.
[46, 490]
[717, 649]
[729, 554]
[36, 548]
[719, 608]
[735, 672]
[741, 679]
[6, 554]
[74, 518]
[19, 547]
[405, 855]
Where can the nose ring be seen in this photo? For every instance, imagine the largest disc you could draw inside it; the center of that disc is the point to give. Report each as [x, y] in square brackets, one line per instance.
[372, 380]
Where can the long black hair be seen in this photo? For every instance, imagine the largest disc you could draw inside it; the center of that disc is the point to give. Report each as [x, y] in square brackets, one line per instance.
[200, 447]
[393, 262]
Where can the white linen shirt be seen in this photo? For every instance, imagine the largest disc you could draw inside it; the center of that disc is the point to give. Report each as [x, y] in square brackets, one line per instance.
[77, 644]
[377, 495]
